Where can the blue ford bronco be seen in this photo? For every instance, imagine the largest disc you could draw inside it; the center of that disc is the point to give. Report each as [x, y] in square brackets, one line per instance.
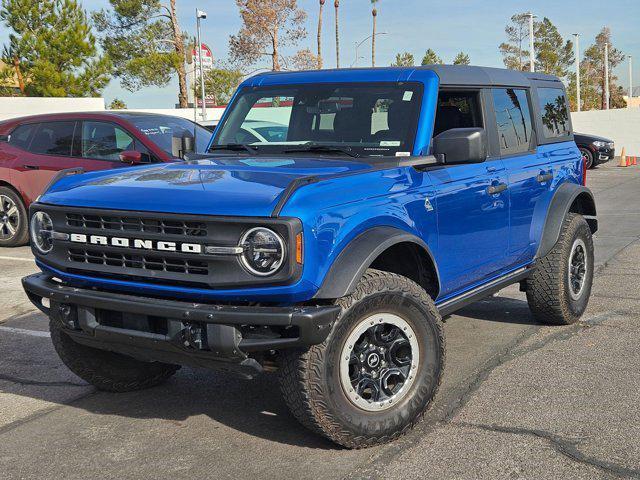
[338, 216]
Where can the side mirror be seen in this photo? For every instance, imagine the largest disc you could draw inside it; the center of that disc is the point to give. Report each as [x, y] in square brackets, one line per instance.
[4, 138]
[182, 145]
[461, 145]
[131, 157]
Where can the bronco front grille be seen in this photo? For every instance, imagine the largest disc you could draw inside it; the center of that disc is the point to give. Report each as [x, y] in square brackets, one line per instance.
[137, 224]
[132, 261]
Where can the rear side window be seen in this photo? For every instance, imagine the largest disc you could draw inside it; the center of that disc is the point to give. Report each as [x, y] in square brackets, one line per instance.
[54, 138]
[513, 117]
[555, 116]
[21, 136]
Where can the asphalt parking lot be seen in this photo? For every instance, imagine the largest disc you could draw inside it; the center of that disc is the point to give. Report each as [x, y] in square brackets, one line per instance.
[518, 400]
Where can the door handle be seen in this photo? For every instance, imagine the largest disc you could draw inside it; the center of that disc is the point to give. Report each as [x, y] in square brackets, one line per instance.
[494, 189]
[31, 167]
[544, 177]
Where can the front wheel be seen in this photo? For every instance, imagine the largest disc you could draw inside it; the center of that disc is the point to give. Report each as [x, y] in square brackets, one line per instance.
[559, 289]
[13, 219]
[378, 370]
[587, 157]
[108, 371]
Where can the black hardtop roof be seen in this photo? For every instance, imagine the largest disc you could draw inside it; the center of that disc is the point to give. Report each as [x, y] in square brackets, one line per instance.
[473, 75]
[449, 75]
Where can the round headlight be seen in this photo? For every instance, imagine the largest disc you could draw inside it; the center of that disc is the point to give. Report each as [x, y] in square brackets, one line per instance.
[263, 251]
[41, 232]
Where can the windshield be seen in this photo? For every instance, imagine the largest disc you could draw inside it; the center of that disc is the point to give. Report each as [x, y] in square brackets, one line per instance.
[361, 119]
[166, 132]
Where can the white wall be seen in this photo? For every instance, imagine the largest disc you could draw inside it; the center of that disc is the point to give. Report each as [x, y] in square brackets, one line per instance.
[11, 107]
[212, 113]
[620, 125]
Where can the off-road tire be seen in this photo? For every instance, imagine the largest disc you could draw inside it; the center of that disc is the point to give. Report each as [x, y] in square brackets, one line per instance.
[310, 379]
[588, 157]
[108, 371]
[548, 288]
[21, 237]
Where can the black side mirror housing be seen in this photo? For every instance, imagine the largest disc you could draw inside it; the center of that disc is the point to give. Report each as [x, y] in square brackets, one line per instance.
[461, 145]
[180, 146]
[4, 138]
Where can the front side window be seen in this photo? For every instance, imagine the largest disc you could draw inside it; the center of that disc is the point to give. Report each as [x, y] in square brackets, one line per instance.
[104, 141]
[513, 117]
[365, 119]
[457, 109]
[53, 138]
[555, 116]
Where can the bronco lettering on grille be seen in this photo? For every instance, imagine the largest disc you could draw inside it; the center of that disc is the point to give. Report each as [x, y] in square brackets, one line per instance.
[136, 243]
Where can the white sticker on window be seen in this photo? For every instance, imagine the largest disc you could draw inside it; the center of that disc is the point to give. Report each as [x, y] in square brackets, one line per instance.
[390, 143]
[403, 154]
[408, 95]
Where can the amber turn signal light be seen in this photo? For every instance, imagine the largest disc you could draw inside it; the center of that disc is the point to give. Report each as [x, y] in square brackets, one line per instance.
[299, 248]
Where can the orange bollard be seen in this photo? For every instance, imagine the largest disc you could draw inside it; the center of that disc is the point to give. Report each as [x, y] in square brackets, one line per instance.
[634, 160]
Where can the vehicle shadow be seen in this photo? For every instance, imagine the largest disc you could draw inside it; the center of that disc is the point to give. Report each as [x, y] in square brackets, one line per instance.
[193, 397]
[499, 309]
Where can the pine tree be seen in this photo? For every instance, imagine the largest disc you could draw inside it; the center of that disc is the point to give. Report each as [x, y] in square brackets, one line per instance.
[52, 49]
[404, 59]
[431, 58]
[514, 56]
[553, 55]
[145, 42]
[462, 59]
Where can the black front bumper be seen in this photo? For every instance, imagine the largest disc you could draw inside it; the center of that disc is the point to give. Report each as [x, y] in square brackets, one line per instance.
[604, 154]
[184, 333]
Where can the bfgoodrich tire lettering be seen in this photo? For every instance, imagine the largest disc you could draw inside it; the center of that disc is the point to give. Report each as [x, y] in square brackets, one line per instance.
[549, 289]
[107, 371]
[310, 379]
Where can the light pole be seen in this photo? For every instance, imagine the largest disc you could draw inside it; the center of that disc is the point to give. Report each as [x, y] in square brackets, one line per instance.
[200, 15]
[532, 55]
[630, 81]
[606, 76]
[577, 36]
[359, 44]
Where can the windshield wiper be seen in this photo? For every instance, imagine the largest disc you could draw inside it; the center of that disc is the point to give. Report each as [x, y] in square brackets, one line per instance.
[316, 147]
[234, 147]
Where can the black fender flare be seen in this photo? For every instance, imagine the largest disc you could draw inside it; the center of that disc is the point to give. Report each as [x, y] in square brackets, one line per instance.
[560, 205]
[359, 254]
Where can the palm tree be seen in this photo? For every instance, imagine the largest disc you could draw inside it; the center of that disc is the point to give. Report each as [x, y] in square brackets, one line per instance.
[320, 34]
[336, 4]
[374, 13]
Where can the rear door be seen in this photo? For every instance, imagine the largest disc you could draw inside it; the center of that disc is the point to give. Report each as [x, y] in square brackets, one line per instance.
[46, 150]
[529, 172]
[472, 202]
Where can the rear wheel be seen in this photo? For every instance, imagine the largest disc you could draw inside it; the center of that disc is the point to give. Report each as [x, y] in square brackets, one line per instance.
[377, 371]
[13, 219]
[559, 289]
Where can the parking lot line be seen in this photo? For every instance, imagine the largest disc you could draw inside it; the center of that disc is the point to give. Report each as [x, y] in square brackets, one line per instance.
[22, 331]
[17, 259]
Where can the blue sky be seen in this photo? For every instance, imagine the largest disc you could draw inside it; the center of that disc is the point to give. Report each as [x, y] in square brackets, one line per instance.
[475, 26]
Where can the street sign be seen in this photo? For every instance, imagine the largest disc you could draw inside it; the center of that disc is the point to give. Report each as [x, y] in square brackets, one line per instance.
[207, 57]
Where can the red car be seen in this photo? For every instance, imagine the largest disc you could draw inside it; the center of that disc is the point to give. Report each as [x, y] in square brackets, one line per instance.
[33, 149]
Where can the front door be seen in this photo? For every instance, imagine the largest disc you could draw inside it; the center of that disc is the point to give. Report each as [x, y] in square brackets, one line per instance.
[472, 203]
